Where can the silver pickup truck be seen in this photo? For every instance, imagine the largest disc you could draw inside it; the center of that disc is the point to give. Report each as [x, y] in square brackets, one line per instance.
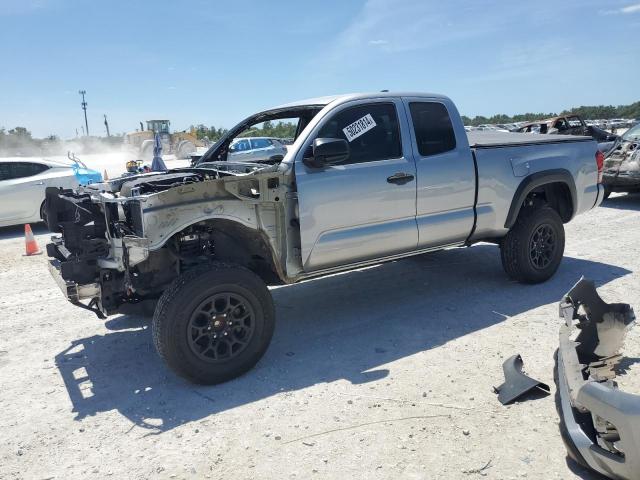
[369, 178]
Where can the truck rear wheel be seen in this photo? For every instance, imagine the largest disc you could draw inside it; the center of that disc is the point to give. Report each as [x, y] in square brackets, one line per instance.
[532, 250]
[214, 323]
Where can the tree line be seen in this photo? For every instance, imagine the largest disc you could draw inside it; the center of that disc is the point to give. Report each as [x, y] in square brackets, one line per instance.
[266, 129]
[586, 112]
[19, 136]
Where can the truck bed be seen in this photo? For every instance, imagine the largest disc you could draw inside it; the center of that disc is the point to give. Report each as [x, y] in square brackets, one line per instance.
[487, 139]
[504, 160]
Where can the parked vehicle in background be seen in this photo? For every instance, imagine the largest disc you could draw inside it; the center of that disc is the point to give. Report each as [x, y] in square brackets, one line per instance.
[369, 178]
[507, 127]
[618, 123]
[570, 125]
[256, 149]
[622, 164]
[492, 128]
[23, 183]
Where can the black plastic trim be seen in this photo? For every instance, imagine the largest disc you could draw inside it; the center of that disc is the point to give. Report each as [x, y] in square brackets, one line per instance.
[467, 242]
[541, 141]
[516, 383]
[535, 180]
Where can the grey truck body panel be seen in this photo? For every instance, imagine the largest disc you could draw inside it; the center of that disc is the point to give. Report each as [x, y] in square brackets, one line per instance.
[371, 218]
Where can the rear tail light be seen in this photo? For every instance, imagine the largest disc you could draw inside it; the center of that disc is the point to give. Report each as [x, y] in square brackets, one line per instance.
[600, 164]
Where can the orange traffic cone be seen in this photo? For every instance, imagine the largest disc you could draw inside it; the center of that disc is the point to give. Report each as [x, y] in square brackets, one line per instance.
[105, 177]
[30, 242]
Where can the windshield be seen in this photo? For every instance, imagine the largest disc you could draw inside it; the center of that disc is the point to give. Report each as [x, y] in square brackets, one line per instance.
[281, 123]
[632, 134]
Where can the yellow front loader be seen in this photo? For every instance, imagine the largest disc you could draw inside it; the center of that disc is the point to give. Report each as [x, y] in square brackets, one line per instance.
[181, 144]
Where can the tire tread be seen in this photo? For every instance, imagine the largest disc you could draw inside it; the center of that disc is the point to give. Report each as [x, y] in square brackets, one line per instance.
[511, 248]
[161, 323]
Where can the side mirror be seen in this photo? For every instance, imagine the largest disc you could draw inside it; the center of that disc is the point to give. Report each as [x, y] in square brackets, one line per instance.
[328, 151]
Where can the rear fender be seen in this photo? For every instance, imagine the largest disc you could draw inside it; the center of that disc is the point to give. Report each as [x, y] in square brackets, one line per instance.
[537, 180]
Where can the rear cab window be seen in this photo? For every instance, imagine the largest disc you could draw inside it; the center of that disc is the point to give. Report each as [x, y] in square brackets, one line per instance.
[433, 128]
[371, 131]
[14, 170]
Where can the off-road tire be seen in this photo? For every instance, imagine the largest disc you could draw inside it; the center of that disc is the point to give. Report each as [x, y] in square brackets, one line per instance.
[515, 246]
[177, 305]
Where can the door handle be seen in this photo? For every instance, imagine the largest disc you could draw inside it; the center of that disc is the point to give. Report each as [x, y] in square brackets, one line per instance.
[37, 183]
[400, 178]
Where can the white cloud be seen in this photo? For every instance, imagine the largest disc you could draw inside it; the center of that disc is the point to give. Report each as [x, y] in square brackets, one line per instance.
[635, 8]
[22, 7]
[424, 24]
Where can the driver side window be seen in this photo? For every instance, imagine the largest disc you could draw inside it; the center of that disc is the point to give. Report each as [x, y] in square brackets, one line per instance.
[371, 130]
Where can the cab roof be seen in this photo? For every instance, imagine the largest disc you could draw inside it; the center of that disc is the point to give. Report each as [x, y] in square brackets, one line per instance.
[326, 100]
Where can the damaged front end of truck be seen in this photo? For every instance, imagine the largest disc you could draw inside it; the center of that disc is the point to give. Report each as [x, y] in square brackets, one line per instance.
[600, 424]
[125, 241]
[622, 164]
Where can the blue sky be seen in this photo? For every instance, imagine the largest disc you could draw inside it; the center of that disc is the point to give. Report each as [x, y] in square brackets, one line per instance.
[215, 62]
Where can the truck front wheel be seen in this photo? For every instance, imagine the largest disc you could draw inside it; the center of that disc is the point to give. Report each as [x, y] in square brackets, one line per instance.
[214, 323]
[532, 250]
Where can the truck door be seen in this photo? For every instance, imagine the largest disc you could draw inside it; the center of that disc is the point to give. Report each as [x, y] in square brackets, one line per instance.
[363, 208]
[446, 177]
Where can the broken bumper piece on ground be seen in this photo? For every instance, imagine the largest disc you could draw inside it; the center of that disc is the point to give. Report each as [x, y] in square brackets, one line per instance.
[516, 383]
[599, 423]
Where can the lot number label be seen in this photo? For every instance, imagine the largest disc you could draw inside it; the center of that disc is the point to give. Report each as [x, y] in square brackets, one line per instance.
[359, 127]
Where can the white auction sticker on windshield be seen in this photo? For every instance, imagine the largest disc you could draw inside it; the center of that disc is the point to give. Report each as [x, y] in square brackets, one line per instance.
[359, 127]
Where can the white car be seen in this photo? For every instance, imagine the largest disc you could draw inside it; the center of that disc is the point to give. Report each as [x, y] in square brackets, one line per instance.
[23, 182]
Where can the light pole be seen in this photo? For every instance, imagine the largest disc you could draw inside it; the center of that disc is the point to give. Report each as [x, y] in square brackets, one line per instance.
[84, 107]
[106, 124]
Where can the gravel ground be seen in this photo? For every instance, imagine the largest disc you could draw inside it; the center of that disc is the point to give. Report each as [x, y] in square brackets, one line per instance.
[384, 372]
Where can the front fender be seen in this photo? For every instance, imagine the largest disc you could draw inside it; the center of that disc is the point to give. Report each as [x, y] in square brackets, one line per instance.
[161, 226]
